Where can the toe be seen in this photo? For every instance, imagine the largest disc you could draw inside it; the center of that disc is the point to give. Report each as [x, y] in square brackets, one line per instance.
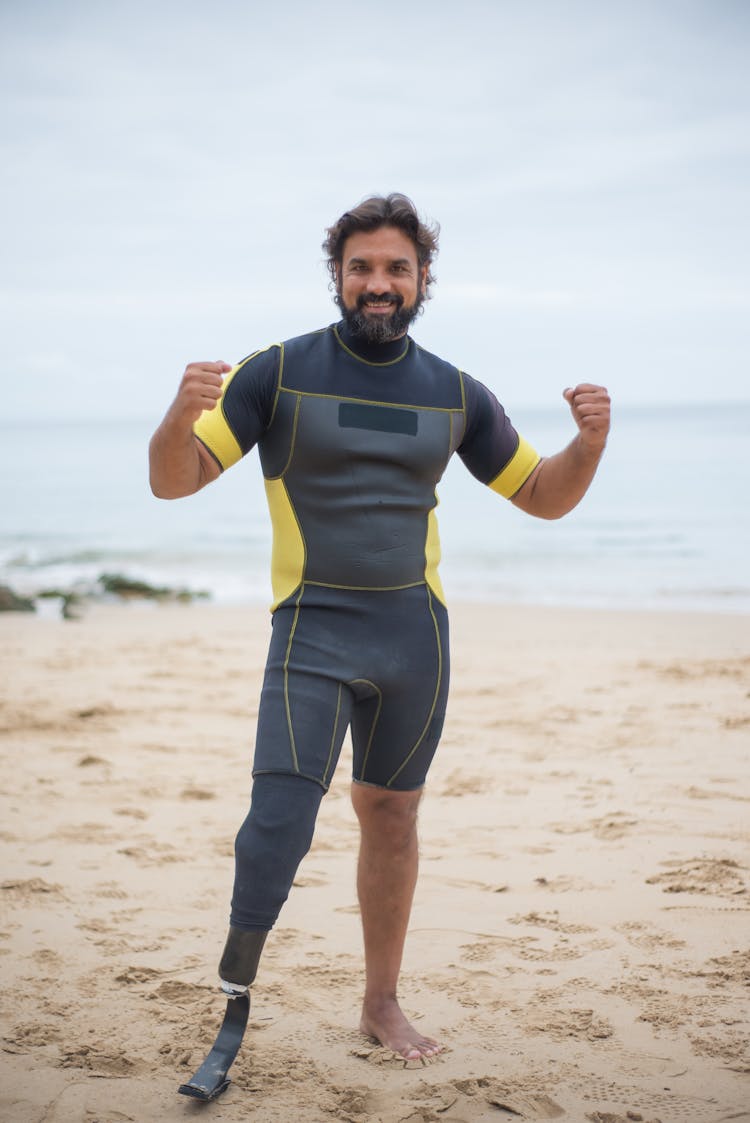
[411, 1054]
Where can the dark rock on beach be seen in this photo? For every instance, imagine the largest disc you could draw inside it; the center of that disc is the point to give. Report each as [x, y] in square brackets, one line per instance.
[72, 601]
[11, 602]
[119, 585]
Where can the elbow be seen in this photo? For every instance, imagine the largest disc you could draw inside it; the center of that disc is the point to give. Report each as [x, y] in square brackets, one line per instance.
[161, 490]
[557, 513]
[554, 514]
[162, 487]
[160, 493]
[157, 483]
[546, 510]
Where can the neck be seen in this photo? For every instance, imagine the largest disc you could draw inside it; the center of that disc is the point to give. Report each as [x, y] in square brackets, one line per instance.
[373, 352]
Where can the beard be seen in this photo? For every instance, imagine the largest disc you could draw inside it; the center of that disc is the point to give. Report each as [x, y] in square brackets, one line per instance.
[379, 329]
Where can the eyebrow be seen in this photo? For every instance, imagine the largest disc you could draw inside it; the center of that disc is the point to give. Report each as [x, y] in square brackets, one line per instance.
[364, 261]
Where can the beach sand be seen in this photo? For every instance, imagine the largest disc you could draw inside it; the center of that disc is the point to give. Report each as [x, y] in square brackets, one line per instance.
[580, 939]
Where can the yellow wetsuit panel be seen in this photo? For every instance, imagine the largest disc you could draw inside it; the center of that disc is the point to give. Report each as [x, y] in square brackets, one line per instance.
[432, 557]
[288, 555]
[213, 430]
[516, 472]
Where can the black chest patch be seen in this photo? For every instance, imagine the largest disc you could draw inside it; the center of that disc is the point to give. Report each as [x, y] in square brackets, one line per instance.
[380, 419]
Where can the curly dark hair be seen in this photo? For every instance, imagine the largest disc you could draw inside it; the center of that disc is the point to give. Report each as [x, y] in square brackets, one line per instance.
[383, 210]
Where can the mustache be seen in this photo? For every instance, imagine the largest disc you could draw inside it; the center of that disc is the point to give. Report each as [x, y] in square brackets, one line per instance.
[385, 298]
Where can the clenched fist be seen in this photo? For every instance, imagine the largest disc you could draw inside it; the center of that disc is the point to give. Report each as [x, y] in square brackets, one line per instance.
[200, 388]
[590, 407]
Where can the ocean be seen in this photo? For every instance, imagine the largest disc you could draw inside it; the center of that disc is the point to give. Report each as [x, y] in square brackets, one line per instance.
[665, 525]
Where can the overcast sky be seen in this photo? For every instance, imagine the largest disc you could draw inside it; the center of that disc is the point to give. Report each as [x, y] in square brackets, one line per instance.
[169, 169]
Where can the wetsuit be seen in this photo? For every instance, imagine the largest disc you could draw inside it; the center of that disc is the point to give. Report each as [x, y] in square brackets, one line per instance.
[353, 439]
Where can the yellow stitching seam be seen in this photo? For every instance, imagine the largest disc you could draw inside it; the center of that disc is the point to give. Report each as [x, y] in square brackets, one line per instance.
[463, 404]
[292, 744]
[278, 385]
[365, 588]
[333, 736]
[374, 720]
[292, 442]
[278, 772]
[367, 362]
[434, 700]
[372, 401]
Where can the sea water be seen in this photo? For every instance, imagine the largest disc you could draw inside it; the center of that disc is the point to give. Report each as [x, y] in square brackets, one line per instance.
[666, 523]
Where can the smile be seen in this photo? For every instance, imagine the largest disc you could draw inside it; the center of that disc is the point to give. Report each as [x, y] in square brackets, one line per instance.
[380, 307]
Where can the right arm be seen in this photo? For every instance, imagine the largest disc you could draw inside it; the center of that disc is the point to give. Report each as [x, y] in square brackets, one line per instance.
[179, 464]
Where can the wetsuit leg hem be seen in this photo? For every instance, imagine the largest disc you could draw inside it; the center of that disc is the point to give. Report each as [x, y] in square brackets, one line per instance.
[289, 772]
[388, 787]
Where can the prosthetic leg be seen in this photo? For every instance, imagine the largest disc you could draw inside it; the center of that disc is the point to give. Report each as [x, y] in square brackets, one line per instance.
[270, 845]
[237, 970]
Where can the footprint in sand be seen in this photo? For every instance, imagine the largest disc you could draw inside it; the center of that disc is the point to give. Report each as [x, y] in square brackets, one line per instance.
[31, 888]
[560, 1024]
[551, 921]
[618, 824]
[99, 1062]
[646, 936]
[90, 760]
[196, 793]
[152, 853]
[34, 1035]
[722, 877]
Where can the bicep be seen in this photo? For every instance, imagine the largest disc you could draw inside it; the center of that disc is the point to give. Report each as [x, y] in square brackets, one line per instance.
[492, 449]
[524, 497]
[209, 468]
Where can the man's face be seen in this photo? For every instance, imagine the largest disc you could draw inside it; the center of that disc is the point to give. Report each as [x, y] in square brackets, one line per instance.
[380, 286]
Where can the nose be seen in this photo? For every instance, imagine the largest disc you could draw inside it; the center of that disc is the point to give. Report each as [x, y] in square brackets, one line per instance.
[379, 282]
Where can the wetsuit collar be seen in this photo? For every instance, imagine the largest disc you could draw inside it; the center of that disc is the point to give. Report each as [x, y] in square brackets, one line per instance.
[389, 352]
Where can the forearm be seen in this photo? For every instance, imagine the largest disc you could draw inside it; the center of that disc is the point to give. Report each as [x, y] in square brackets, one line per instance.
[178, 463]
[560, 481]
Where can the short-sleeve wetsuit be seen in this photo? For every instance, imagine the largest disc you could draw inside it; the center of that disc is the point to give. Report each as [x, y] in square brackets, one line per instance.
[353, 440]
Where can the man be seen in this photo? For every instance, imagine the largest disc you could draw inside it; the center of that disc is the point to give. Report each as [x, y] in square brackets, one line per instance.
[355, 425]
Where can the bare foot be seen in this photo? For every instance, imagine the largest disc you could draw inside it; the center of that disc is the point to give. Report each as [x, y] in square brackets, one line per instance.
[383, 1020]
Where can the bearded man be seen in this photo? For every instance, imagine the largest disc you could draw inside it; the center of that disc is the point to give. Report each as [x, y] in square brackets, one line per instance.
[355, 425]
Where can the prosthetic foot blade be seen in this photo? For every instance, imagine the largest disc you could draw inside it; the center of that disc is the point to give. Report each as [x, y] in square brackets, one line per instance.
[211, 1078]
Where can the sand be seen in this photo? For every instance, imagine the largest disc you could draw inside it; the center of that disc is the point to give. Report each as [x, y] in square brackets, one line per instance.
[581, 934]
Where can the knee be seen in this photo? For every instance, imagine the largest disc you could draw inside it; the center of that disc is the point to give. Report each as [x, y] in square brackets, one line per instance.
[388, 815]
[281, 820]
[270, 844]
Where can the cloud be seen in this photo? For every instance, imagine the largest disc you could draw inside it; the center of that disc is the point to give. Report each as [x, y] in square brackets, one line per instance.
[169, 170]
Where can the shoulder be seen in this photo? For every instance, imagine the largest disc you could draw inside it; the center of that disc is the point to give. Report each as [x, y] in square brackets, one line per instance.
[270, 356]
[434, 362]
[481, 403]
[442, 382]
[308, 341]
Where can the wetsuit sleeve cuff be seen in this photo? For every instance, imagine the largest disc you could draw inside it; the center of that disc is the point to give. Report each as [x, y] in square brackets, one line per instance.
[516, 472]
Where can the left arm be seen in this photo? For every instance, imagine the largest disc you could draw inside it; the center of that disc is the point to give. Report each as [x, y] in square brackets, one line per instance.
[559, 482]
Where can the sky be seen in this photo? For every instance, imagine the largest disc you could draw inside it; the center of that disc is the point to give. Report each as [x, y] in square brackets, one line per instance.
[169, 169]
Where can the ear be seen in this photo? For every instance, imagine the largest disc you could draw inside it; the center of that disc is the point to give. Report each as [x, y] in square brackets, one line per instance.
[423, 272]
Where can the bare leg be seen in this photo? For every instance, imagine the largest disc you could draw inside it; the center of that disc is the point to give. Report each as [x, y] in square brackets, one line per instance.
[386, 877]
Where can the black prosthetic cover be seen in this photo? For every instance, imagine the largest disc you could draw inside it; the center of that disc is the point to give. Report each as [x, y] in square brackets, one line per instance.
[239, 961]
[269, 847]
